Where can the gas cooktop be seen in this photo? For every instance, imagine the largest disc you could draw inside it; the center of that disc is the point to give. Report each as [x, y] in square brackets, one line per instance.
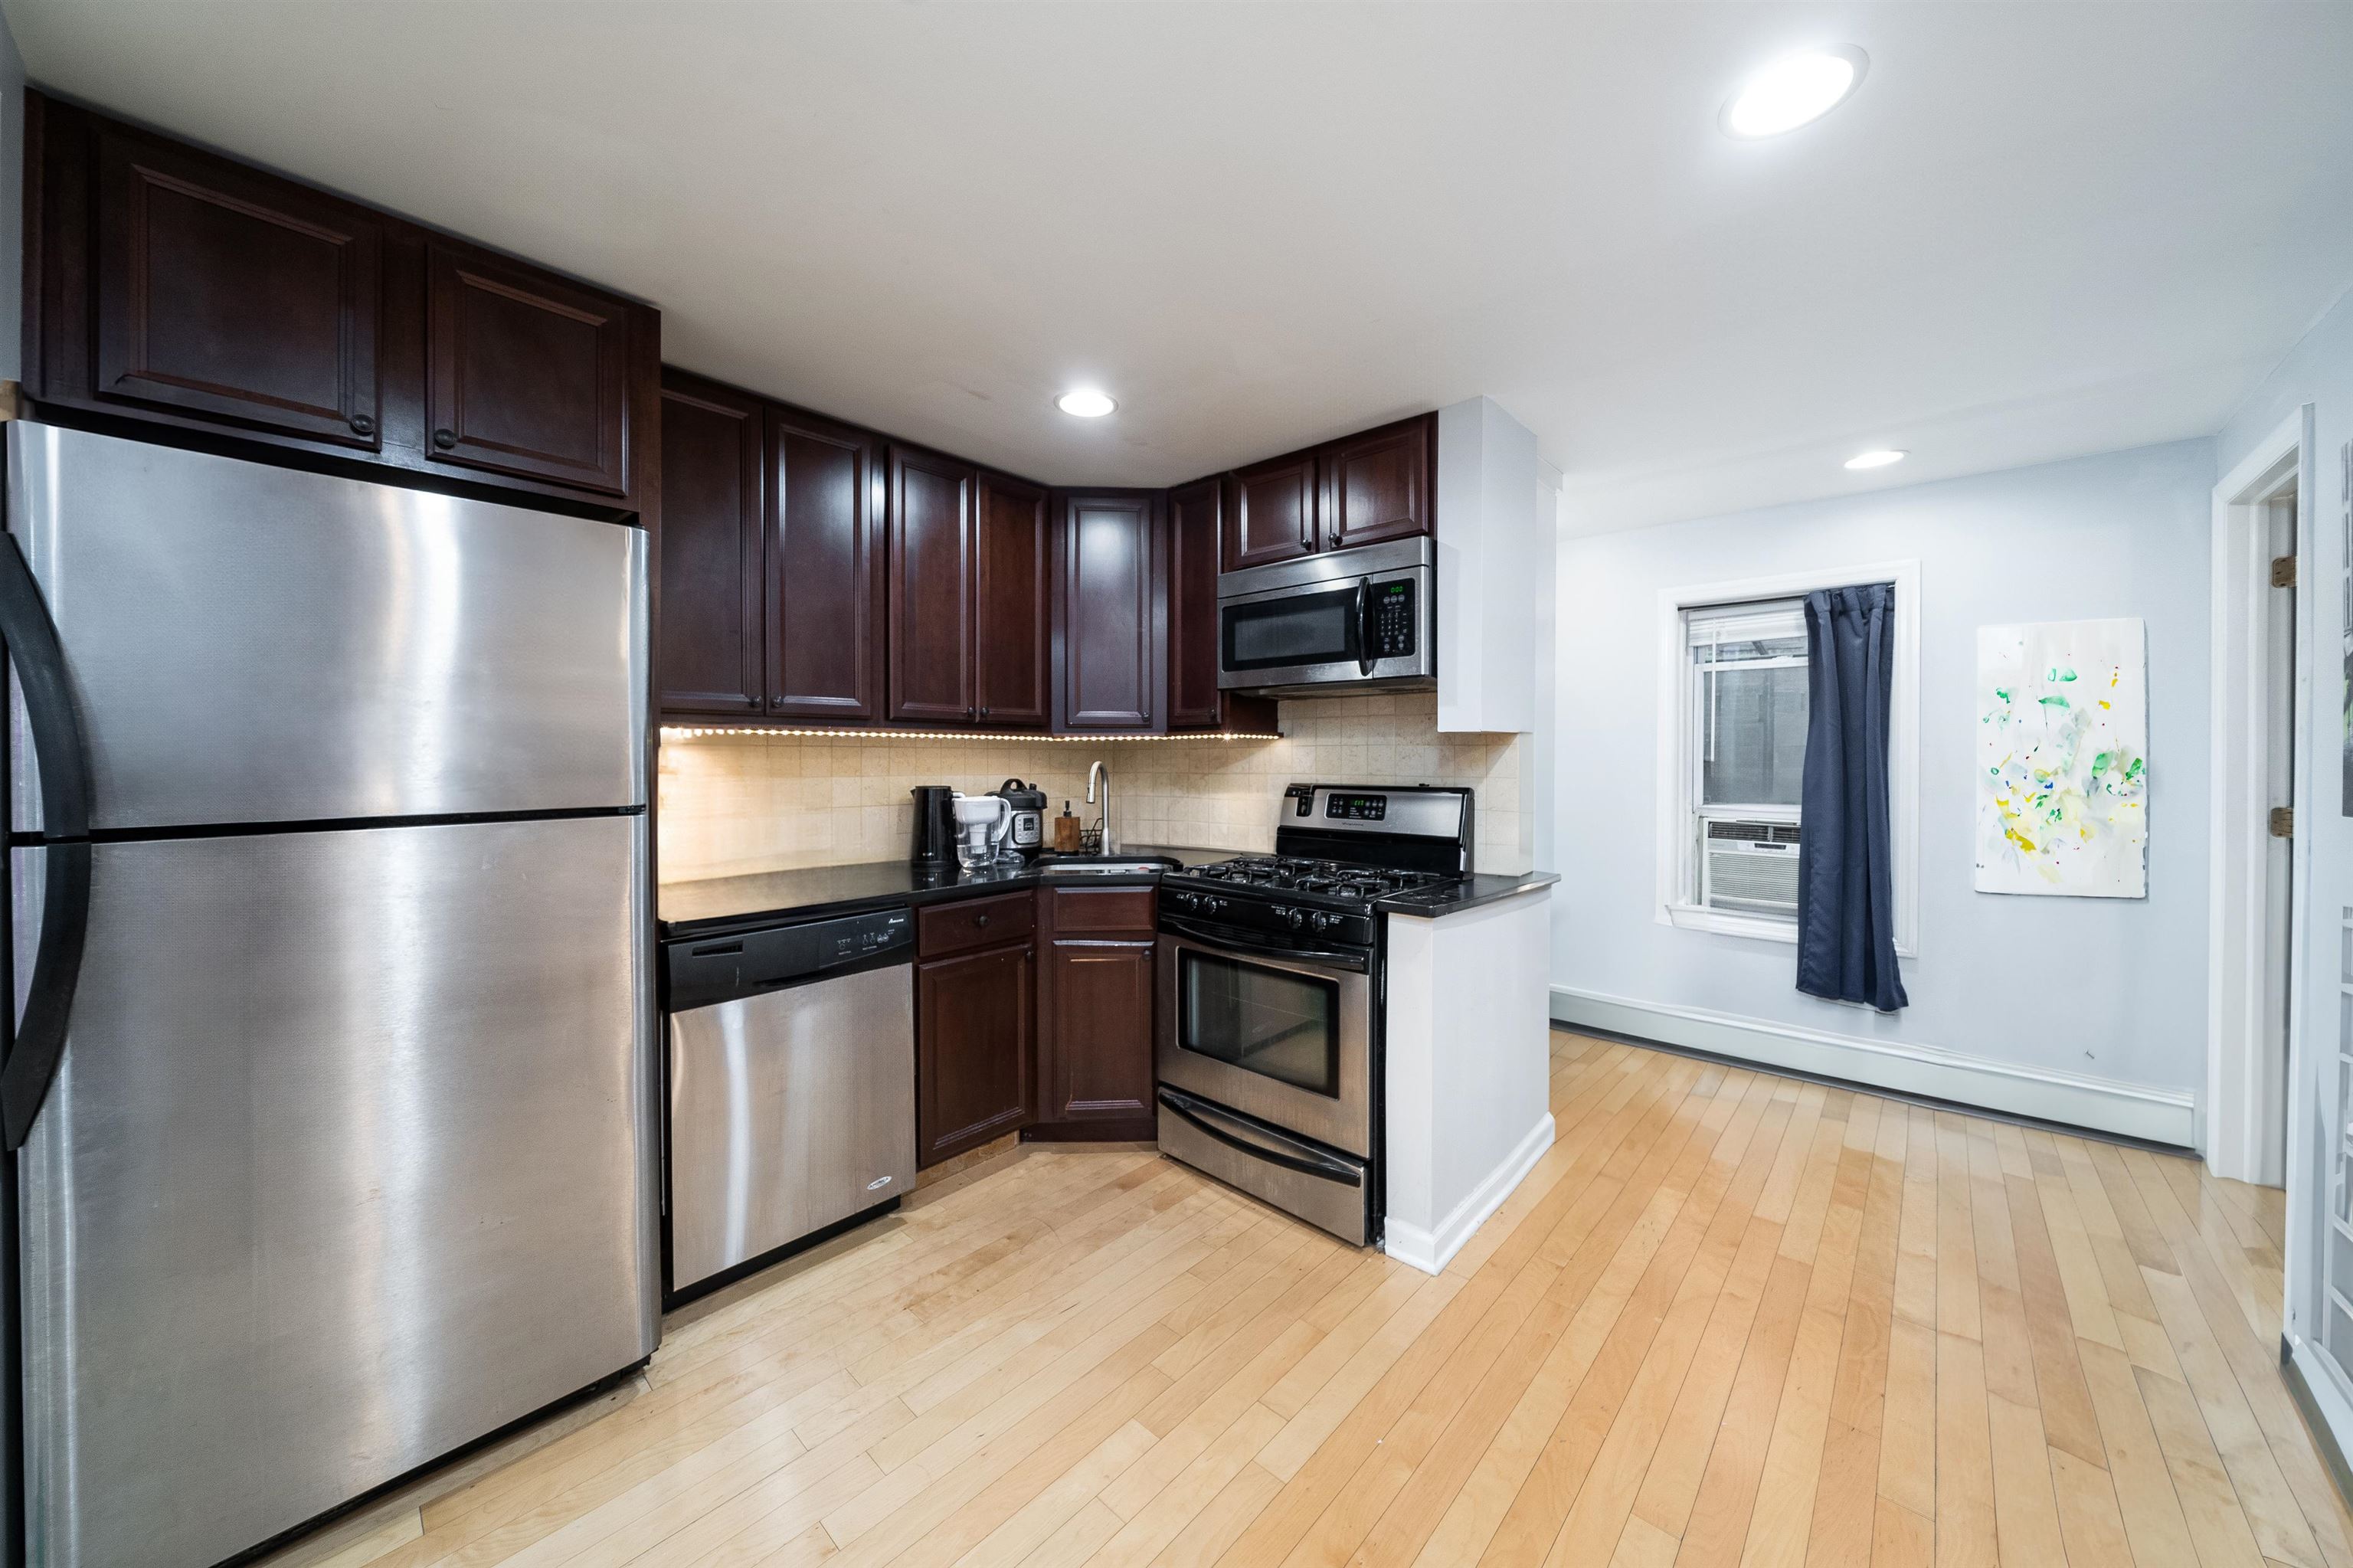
[1347, 881]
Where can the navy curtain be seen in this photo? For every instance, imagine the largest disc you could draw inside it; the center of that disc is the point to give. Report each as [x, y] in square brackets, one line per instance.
[1846, 885]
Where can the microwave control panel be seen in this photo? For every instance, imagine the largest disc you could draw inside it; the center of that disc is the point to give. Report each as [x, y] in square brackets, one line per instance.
[1393, 620]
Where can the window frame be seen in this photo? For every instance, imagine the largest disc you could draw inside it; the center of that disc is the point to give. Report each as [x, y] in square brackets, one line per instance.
[1680, 810]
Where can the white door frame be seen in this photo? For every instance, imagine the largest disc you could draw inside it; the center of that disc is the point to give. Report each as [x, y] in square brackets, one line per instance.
[2245, 1118]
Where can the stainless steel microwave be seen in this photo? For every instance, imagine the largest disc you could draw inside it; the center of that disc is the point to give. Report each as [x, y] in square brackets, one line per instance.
[1358, 618]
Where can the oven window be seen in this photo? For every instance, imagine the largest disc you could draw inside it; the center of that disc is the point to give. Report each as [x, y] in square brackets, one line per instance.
[1302, 628]
[1280, 1024]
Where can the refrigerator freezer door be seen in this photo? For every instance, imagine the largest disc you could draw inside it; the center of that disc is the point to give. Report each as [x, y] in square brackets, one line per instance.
[253, 645]
[350, 1162]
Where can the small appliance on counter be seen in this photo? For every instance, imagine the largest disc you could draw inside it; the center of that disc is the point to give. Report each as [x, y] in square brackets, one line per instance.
[1028, 804]
[935, 825]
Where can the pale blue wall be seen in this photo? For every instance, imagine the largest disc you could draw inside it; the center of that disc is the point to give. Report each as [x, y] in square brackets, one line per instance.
[2110, 988]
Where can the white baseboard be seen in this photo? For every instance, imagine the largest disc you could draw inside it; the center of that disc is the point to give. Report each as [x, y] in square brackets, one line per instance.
[1430, 1251]
[2161, 1116]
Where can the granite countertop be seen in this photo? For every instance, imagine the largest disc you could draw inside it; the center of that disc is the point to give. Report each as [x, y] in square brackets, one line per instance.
[1431, 903]
[722, 902]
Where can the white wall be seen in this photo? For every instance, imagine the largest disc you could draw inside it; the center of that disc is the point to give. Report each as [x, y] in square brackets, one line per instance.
[2061, 1007]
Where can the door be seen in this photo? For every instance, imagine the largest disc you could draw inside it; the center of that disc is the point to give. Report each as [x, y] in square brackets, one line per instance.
[348, 1161]
[1196, 519]
[930, 667]
[1010, 614]
[825, 570]
[1272, 515]
[255, 644]
[1283, 1038]
[2280, 633]
[713, 632]
[1098, 1046]
[974, 1043]
[1111, 611]
[1377, 485]
[525, 374]
[225, 292]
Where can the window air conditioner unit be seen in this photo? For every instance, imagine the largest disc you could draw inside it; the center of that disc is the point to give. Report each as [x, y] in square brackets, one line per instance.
[1750, 868]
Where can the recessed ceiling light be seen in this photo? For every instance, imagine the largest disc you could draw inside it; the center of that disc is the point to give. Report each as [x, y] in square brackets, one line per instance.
[1879, 458]
[1085, 403]
[1793, 91]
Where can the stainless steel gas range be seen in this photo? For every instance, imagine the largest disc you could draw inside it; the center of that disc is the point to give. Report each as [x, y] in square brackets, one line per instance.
[1268, 1047]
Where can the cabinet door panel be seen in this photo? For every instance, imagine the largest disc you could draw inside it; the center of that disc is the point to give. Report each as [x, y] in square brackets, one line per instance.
[713, 630]
[825, 568]
[228, 292]
[1377, 485]
[1099, 1046]
[973, 1049]
[1010, 604]
[1196, 519]
[1111, 637]
[525, 374]
[1271, 512]
[931, 587]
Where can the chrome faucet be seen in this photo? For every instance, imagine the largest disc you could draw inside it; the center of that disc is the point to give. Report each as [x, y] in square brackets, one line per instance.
[1097, 772]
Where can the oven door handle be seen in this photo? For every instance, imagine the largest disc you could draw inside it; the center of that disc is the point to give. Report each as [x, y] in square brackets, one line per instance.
[1291, 1156]
[1248, 945]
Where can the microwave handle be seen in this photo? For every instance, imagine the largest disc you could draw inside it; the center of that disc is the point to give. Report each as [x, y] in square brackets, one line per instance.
[1366, 657]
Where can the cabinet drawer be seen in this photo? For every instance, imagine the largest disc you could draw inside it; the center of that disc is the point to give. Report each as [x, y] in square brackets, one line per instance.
[1103, 909]
[978, 923]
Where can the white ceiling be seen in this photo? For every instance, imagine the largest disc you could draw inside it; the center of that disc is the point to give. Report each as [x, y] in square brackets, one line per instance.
[2036, 231]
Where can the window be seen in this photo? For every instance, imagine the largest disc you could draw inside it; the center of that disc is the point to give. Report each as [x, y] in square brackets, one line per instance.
[1745, 699]
[1731, 752]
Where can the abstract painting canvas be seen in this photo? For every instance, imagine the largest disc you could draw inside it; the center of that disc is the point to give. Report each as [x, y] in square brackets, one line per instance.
[2062, 759]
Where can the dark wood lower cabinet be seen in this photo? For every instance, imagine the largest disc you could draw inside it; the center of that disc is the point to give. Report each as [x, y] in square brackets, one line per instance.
[1096, 1014]
[975, 1041]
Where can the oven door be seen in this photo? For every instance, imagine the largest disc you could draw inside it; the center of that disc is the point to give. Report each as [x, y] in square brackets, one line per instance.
[1373, 627]
[1283, 1037]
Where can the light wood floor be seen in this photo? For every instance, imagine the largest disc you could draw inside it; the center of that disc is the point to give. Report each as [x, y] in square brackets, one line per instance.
[1730, 1318]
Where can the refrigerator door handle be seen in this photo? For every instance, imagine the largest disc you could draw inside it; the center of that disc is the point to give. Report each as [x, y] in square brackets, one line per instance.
[63, 756]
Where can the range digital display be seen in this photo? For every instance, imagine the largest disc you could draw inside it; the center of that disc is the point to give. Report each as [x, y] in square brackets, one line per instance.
[1356, 808]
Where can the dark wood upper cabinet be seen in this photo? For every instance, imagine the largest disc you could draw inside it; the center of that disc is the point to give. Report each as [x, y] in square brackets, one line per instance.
[975, 1041]
[1110, 624]
[1195, 521]
[930, 663]
[525, 374]
[1270, 512]
[231, 293]
[1011, 625]
[712, 628]
[1377, 485]
[169, 286]
[824, 555]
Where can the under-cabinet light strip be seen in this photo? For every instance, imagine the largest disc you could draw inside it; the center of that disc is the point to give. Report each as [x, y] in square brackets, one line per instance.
[703, 732]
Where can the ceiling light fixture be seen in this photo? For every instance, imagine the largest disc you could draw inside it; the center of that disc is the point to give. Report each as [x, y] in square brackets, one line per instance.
[1794, 91]
[1085, 403]
[1879, 458]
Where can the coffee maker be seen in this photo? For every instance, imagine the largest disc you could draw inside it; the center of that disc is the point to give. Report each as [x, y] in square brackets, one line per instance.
[1028, 804]
[935, 825]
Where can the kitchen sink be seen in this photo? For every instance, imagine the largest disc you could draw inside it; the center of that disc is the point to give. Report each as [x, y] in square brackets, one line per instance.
[1105, 865]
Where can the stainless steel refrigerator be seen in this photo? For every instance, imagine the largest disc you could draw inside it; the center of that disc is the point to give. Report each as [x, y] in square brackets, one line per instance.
[332, 1092]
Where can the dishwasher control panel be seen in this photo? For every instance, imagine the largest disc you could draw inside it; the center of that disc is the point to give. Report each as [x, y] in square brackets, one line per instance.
[712, 970]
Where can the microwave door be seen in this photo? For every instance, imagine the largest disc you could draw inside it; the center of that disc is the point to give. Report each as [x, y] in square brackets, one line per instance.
[1301, 634]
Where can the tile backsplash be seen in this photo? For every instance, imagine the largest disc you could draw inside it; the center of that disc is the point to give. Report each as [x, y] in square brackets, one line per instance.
[736, 804]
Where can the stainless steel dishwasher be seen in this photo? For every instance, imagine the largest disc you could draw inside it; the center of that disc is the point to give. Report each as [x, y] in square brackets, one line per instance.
[791, 1088]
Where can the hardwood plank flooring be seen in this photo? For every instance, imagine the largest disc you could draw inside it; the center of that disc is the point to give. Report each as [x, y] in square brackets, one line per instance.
[1729, 1319]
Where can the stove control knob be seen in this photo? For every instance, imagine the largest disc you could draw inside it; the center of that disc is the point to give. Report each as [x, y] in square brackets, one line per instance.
[1189, 900]
[1323, 922]
[1297, 918]
[1214, 905]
